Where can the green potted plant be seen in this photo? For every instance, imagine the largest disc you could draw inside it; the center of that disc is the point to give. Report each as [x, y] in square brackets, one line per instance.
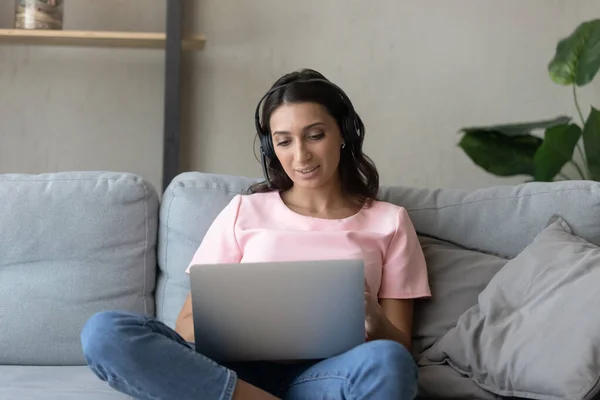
[512, 149]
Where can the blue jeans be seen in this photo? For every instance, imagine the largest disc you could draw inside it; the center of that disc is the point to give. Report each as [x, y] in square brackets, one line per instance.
[142, 357]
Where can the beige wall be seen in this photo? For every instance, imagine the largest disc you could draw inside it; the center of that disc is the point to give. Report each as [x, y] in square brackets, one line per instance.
[81, 108]
[416, 71]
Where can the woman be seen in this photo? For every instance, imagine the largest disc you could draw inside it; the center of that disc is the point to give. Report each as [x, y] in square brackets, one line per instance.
[318, 181]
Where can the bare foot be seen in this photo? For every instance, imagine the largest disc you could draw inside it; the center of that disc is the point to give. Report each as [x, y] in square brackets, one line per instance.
[245, 391]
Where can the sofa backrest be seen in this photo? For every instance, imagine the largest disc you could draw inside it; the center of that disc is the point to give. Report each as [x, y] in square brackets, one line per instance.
[189, 205]
[71, 244]
[499, 220]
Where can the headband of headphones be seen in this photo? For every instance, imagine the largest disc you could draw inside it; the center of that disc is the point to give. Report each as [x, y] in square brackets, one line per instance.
[356, 128]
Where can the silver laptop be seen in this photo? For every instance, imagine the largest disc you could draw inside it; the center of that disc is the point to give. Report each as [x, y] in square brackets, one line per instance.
[278, 310]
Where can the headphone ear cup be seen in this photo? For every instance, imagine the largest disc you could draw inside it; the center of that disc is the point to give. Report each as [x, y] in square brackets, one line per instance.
[266, 144]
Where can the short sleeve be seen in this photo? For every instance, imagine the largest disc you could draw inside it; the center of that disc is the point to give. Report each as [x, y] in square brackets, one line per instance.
[404, 272]
[219, 244]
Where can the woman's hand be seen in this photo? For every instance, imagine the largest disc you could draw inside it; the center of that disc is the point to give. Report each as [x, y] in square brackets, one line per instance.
[375, 318]
[378, 319]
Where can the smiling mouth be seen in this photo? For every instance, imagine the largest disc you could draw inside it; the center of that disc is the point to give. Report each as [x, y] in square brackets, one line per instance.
[307, 170]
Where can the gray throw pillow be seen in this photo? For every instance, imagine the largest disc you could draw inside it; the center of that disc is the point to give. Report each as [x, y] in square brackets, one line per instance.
[535, 332]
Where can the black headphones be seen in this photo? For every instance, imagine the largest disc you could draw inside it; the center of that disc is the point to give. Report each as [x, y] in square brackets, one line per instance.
[352, 127]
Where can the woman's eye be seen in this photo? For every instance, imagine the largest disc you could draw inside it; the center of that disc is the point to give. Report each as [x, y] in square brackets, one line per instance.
[283, 143]
[317, 136]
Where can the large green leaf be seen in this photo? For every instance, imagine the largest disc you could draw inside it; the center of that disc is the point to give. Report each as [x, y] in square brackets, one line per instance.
[591, 141]
[577, 57]
[521, 128]
[556, 151]
[500, 154]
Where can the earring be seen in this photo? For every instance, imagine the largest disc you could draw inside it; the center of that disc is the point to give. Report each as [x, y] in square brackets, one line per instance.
[343, 144]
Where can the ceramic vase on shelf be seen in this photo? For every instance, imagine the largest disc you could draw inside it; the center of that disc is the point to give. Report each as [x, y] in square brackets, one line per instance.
[39, 14]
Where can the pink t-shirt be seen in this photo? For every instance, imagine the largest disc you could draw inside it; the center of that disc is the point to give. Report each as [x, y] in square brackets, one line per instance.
[261, 228]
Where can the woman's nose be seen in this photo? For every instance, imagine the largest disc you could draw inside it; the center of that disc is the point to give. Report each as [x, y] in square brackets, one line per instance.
[302, 153]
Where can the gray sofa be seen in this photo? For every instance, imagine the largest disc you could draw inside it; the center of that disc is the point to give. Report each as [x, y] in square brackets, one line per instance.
[72, 244]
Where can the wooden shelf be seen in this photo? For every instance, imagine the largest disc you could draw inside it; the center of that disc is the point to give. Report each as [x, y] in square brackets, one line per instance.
[96, 39]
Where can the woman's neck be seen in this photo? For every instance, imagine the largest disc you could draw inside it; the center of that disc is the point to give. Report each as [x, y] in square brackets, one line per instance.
[329, 201]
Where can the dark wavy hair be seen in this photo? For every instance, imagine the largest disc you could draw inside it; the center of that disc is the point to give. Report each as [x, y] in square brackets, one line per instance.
[358, 174]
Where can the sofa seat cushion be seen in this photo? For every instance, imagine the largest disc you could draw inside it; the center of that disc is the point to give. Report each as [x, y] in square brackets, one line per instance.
[54, 383]
[443, 382]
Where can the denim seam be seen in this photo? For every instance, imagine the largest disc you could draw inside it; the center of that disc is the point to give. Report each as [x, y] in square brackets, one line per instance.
[132, 387]
[317, 378]
[229, 388]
